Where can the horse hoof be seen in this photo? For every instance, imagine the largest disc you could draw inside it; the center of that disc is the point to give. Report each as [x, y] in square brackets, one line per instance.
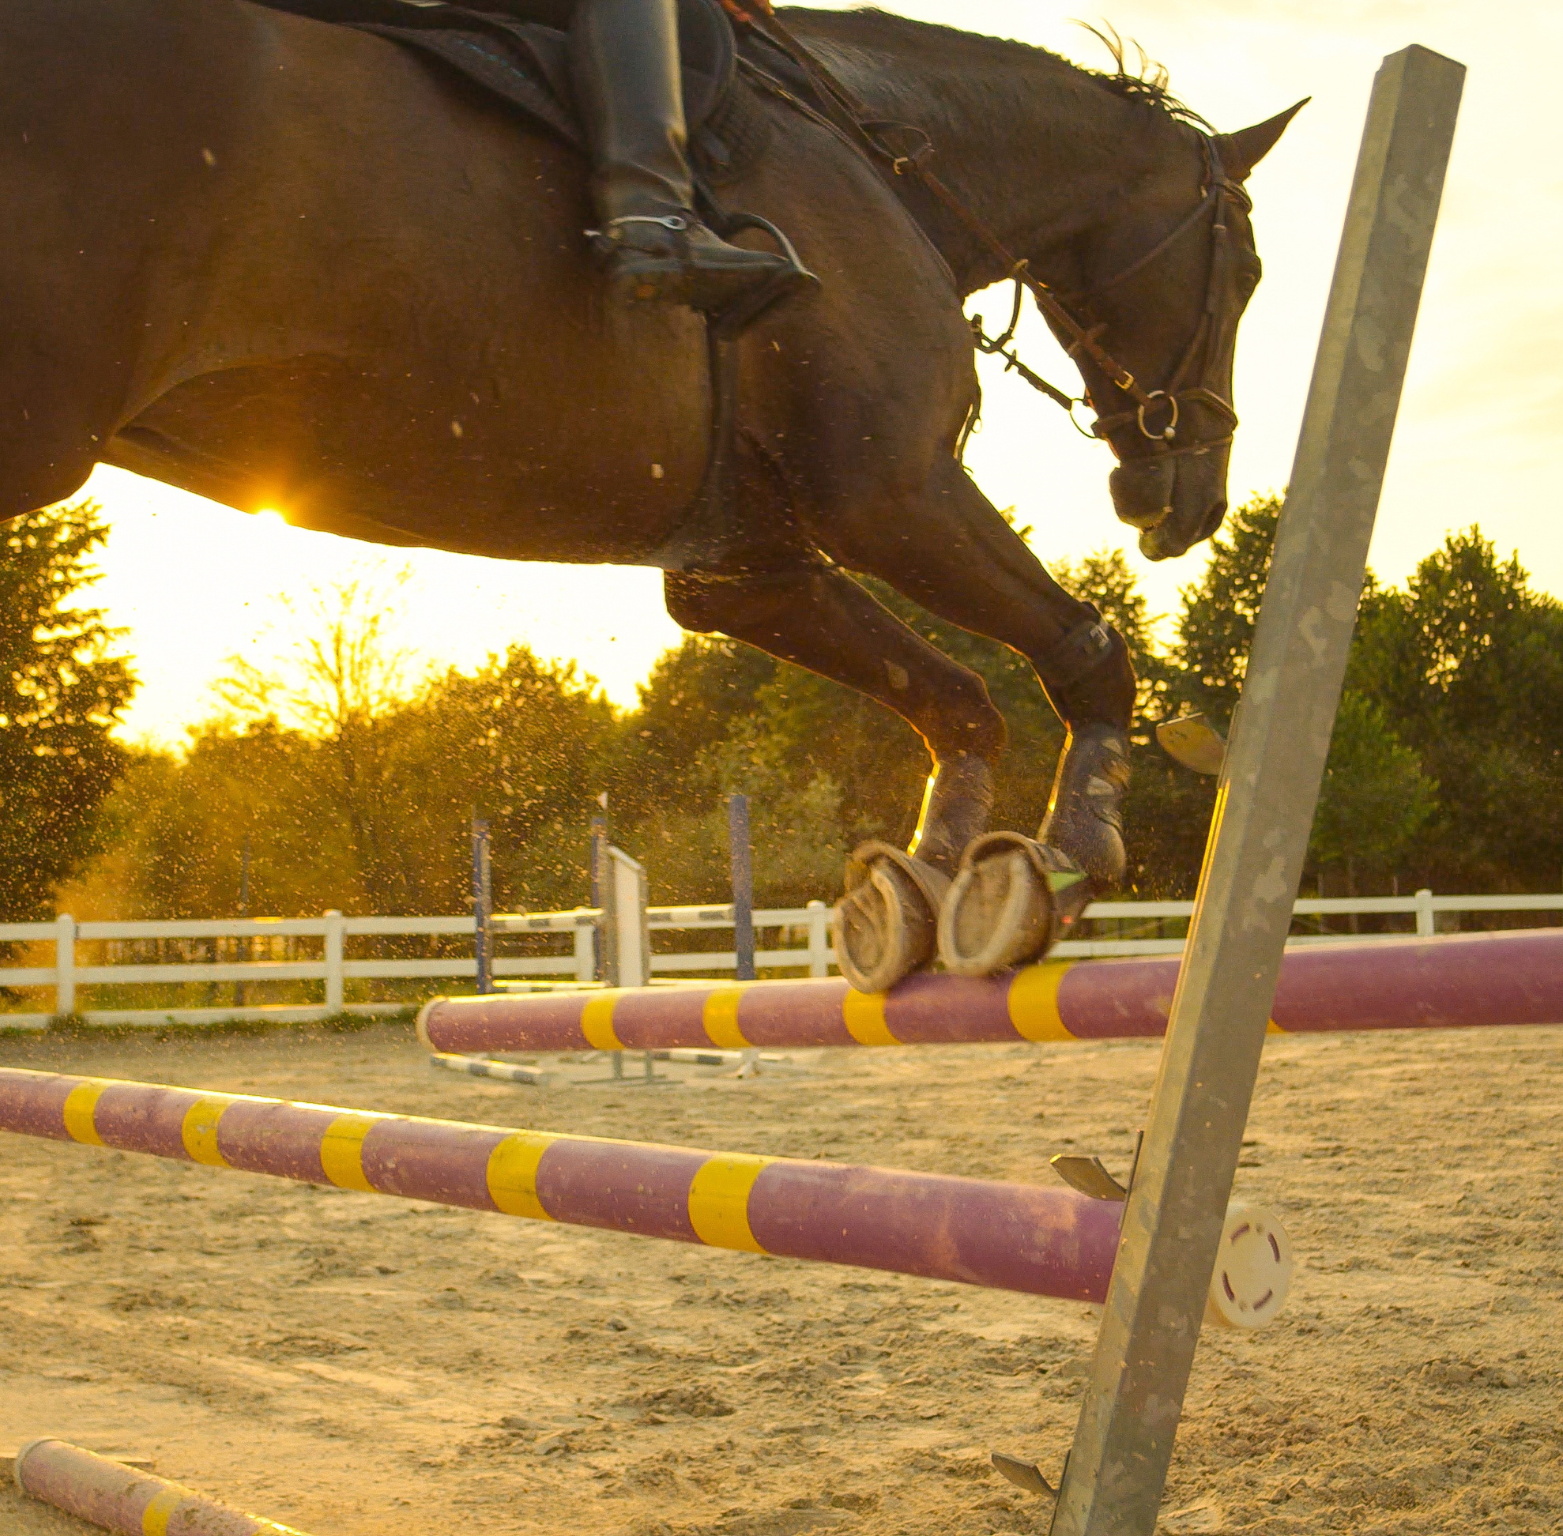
[1000, 910]
[887, 922]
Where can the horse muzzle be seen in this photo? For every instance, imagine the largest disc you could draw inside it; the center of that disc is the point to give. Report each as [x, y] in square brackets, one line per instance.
[1175, 500]
[1141, 490]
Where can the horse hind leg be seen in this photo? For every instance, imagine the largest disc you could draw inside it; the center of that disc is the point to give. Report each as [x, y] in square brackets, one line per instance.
[818, 617]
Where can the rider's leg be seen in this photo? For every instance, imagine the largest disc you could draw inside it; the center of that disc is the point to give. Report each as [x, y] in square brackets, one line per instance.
[628, 87]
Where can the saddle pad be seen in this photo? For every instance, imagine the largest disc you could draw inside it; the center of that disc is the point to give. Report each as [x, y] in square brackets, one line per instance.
[519, 52]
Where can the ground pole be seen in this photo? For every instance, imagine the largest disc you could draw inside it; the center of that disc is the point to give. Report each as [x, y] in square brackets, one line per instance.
[1113, 1481]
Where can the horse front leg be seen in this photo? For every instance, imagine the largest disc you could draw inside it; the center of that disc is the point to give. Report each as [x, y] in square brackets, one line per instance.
[818, 617]
[952, 552]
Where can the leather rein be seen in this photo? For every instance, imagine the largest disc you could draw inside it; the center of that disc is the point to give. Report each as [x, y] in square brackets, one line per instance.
[1146, 407]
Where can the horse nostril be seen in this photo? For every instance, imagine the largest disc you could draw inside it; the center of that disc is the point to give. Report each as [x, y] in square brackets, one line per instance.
[1213, 518]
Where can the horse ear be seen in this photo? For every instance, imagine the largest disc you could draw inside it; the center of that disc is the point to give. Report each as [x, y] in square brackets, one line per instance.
[1242, 151]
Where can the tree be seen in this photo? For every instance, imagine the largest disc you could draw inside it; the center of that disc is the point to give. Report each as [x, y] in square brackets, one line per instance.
[336, 785]
[61, 694]
[339, 683]
[182, 824]
[1375, 798]
[527, 743]
[1216, 626]
[352, 789]
[1168, 808]
[1467, 661]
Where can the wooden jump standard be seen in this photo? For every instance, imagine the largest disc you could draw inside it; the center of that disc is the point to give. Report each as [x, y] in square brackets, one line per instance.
[1018, 1237]
[1115, 1475]
[123, 1500]
[1466, 980]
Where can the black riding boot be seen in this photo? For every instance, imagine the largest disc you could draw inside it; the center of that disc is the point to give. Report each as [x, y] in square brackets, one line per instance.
[630, 93]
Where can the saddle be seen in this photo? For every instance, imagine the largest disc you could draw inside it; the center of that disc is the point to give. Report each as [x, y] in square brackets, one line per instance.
[518, 52]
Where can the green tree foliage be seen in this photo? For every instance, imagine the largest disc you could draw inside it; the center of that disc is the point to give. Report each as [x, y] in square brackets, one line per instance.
[1375, 798]
[1216, 622]
[351, 788]
[1467, 661]
[369, 810]
[61, 693]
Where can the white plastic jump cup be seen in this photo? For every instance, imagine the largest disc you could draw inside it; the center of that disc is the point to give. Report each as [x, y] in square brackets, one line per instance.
[1253, 1269]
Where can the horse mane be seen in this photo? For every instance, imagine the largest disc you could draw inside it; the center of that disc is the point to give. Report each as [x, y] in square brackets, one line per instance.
[1148, 82]
[1145, 84]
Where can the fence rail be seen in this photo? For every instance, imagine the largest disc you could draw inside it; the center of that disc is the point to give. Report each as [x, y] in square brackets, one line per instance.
[803, 944]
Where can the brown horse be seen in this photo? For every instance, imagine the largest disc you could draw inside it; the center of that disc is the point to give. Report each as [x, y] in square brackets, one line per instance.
[283, 264]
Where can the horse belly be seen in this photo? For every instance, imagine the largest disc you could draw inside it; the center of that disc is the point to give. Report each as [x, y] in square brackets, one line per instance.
[551, 474]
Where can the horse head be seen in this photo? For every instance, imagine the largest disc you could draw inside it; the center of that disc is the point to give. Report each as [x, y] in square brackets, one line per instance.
[1167, 284]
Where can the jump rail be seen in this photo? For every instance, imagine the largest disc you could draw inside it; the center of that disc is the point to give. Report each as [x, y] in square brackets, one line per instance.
[1445, 983]
[1018, 1237]
[333, 971]
[127, 1501]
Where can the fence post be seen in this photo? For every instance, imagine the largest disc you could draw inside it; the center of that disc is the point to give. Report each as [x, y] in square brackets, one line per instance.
[64, 964]
[742, 866]
[335, 988]
[819, 939]
[1425, 924]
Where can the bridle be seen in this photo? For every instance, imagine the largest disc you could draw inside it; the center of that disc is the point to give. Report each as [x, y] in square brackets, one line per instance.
[1192, 380]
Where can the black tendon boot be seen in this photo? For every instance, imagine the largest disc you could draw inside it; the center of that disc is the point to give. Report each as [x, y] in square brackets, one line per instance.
[1085, 811]
[956, 807]
[629, 91]
[1091, 684]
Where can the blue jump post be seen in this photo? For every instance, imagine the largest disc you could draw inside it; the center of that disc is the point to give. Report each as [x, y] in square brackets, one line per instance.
[743, 885]
[741, 859]
[482, 904]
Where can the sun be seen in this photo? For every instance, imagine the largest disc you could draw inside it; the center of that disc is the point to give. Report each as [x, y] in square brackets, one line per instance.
[272, 515]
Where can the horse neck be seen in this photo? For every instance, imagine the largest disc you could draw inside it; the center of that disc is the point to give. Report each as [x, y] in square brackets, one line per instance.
[1042, 152]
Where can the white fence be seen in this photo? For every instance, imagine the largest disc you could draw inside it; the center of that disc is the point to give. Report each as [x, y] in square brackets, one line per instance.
[803, 946]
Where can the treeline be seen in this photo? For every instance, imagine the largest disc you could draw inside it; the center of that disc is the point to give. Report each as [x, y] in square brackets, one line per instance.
[61, 694]
[336, 787]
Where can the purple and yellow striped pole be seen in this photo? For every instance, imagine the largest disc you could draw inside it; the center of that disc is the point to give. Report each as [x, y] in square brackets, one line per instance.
[1444, 983]
[1018, 1237]
[126, 1501]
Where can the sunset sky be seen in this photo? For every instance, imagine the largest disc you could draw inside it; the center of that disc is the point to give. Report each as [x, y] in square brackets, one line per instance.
[1477, 441]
